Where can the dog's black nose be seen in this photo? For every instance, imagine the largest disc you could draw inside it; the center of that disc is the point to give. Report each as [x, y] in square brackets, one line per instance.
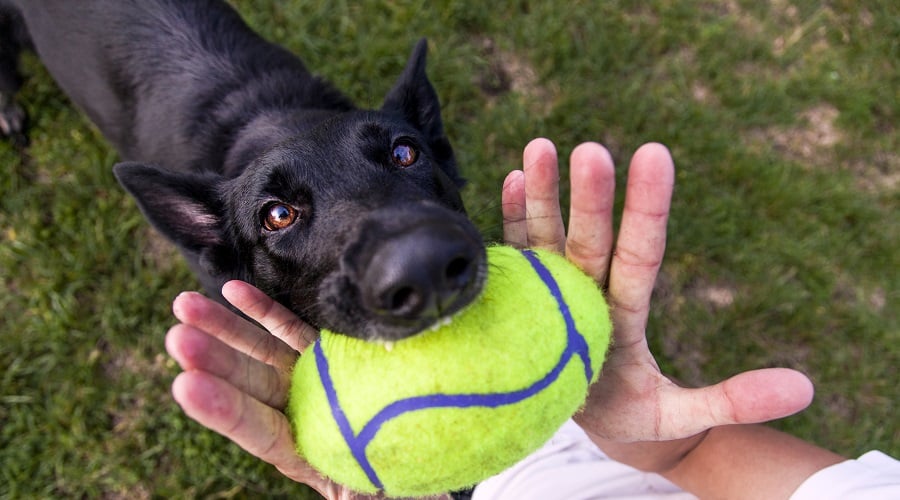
[420, 276]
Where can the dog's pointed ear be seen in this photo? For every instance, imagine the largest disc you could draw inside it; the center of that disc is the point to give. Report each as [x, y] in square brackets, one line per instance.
[415, 99]
[183, 207]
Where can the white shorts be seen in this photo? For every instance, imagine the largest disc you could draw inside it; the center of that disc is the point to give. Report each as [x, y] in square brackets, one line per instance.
[571, 467]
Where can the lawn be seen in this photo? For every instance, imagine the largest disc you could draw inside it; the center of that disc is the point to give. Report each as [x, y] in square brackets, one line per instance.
[783, 251]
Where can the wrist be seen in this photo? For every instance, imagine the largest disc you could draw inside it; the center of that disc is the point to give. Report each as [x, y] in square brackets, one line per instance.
[650, 456]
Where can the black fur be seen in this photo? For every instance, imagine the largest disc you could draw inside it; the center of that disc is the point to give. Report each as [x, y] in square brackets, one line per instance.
[13, 38]
[218, 127]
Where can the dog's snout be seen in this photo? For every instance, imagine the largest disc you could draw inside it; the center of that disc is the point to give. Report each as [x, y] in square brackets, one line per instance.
[420, 276]
[423, 292]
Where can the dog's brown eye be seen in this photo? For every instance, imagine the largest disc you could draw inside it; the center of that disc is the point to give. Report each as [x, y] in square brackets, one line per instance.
[404, 154]
[279, 216]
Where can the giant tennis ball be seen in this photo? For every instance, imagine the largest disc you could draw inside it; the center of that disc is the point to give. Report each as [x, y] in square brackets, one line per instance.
[451, 406]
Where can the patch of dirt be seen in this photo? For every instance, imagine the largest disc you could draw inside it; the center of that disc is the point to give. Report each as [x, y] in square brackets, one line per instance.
[878, 299]
[716, 296]
[508, 71]
[810, 141]
[674, 66]
[747, 23]
[849, 290]
[702, 94]
[139, 492]
[785, 9]
[810, 33]
[820, 131]
[881, 173]
[866, 18]
[817, 41]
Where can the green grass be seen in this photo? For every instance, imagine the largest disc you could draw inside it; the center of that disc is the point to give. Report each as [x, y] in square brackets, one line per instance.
[783, 238]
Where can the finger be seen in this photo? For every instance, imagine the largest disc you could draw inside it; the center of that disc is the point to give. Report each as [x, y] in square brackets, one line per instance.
[641, 242]
[274, 317]
[194, 349]
[747, 398]
[252, 425]
[515, 225]
[545, 226]
[217, 320]
[590, 238]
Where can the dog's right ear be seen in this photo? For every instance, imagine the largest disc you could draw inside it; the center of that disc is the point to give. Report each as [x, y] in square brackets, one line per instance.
[183, 207]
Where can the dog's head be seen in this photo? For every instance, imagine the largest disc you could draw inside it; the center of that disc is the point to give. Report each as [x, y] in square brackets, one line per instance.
[356, 225]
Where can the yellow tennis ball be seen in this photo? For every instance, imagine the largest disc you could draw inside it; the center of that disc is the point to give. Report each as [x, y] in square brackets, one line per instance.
[452, 406]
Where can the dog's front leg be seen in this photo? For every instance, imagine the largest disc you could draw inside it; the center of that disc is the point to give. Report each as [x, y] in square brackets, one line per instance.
[13, 38]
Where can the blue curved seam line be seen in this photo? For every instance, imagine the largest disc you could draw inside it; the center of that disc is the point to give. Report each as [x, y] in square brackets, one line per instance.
[575, 344]
[572, 333]
[337, 412]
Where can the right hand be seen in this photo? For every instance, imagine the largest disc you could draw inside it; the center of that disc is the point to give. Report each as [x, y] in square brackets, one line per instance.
[236, 376]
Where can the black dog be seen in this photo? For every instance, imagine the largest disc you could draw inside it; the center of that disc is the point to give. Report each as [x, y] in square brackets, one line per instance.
[259, 170]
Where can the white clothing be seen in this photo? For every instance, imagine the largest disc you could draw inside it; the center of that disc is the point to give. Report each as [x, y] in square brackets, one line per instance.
[571, 467]
[873, 476]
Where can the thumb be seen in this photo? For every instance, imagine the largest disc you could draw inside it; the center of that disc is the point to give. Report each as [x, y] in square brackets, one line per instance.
[750, 397]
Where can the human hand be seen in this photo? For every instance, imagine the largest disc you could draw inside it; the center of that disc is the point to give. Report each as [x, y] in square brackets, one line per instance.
[634, 413]
[236, 375]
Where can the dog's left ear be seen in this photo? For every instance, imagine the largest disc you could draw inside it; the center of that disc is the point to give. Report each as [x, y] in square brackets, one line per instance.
[414, 98]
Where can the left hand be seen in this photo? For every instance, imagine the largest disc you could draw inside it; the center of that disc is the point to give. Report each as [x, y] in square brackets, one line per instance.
[634, 412]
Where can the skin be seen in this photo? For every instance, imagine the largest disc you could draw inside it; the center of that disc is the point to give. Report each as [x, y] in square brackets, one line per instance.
[236, 375]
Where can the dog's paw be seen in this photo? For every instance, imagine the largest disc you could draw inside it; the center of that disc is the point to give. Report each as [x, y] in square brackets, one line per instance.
[12, 121]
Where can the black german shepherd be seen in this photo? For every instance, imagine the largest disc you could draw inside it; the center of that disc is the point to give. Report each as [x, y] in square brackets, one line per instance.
[257, 169]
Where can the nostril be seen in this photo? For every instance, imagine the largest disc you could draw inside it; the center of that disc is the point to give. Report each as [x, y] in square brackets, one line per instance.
[402, 298]
[457, 270]
[419, 276]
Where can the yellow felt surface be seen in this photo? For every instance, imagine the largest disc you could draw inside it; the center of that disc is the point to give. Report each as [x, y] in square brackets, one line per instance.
[506, 341]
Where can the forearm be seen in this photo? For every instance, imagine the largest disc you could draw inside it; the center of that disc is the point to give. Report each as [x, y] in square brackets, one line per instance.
[748, 461]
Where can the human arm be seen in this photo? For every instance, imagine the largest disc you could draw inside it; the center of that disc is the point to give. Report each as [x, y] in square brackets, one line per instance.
[748, 461]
